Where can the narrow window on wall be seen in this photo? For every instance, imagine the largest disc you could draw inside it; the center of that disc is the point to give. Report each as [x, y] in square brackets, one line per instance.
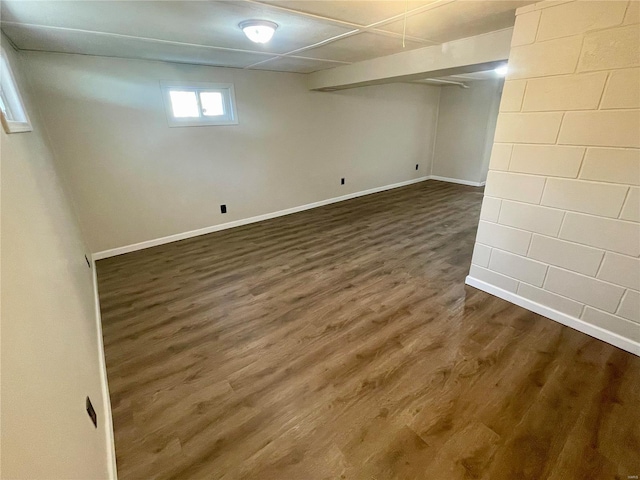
[198, 104]
[14, 116]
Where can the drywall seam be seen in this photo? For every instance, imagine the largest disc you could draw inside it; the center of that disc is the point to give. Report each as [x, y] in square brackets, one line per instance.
[573, 322]
[106, 407]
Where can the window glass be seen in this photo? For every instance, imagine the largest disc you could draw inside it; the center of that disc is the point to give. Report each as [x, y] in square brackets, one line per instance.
[184, 104]
[12, 113]
[4, 106]
[196, 104]
[212, 104]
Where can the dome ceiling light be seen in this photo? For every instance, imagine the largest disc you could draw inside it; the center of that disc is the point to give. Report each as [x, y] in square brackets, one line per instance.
[258, 31]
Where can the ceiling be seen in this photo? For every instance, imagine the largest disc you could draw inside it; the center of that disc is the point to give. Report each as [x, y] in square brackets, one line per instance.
[312, 34]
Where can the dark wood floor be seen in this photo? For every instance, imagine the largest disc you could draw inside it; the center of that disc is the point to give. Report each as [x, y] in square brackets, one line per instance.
[342, 343]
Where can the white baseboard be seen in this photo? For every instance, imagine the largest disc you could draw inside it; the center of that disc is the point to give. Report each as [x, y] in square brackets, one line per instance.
[107, 422]
[457, 180]
[245, 221]
[563, 318]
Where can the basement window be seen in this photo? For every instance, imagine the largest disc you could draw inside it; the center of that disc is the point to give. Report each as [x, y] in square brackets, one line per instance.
[198, 104]
[13, 114]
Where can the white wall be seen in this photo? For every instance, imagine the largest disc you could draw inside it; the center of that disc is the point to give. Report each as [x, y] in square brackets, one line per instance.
[560, 222]
[50, 354]
[135, 179]
[466, 125]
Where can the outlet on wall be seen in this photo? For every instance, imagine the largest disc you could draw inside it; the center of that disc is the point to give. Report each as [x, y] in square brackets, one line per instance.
[342, 181]
[416, 166]
[223, 209]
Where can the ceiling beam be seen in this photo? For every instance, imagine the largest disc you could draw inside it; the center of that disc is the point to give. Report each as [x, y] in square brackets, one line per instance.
[459, 56]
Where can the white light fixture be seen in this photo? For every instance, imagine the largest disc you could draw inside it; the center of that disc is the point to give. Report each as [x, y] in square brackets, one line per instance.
[502, 70]
[258, 31]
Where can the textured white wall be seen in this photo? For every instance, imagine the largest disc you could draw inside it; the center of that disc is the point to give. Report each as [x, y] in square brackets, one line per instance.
[135, 179]
[50, 349]
[559, 223]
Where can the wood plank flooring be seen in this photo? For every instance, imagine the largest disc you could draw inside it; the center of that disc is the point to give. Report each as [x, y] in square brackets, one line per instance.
[342, 343]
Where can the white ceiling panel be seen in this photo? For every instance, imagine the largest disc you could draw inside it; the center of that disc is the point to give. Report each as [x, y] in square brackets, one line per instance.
[362, 46]
[213, 23]
[88, 43]
[207, 32]
[296, 65]
[460, 19]
[360, 12]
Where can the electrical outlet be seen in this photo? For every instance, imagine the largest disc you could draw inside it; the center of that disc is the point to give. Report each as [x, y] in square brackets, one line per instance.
[416, 166]
[223, 209]
[342, 181]
[91, 412]
[88, 262]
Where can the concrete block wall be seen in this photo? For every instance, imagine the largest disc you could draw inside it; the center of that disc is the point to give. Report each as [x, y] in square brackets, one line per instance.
[559, 231]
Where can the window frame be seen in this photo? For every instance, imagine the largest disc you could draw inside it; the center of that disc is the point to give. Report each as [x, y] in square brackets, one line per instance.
[228, 95]
[12, 99]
